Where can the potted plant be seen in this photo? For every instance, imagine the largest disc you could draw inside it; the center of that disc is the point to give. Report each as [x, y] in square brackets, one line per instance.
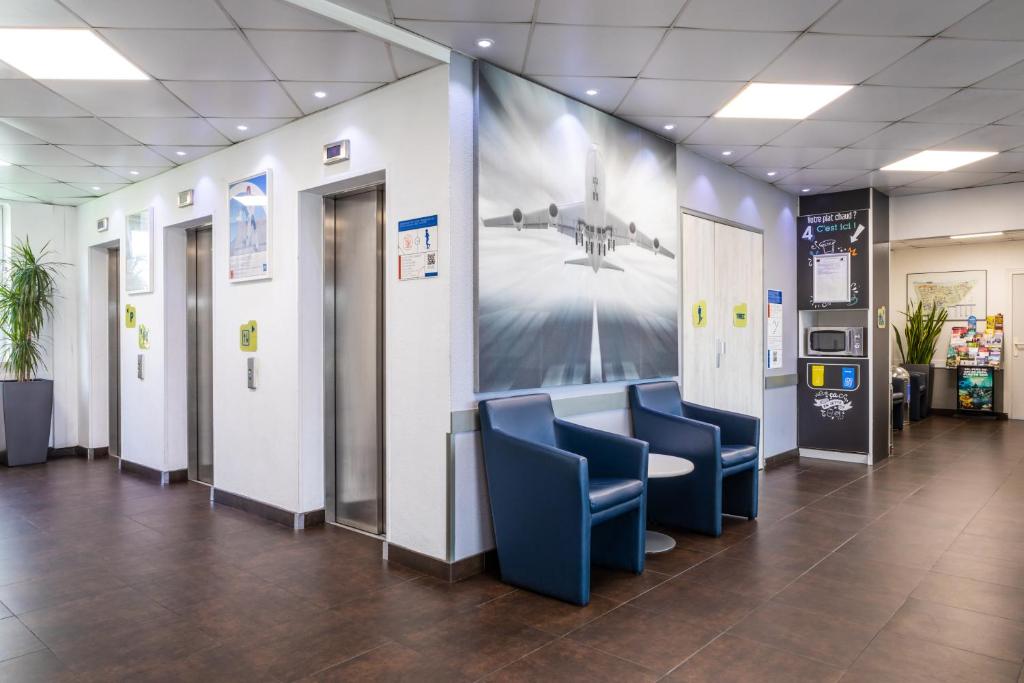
[27, 292]
[918, 341]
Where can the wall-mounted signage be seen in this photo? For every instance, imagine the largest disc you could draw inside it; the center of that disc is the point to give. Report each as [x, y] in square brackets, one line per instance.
[185, 198]
[143, 337]
[102, 224]
[881, 317]
[774, 330]
[417, 248]
[249, 228]
[336, 151]
[832, 260]
[129, 316]
[699, 314]
[247, 337]
[739, 315]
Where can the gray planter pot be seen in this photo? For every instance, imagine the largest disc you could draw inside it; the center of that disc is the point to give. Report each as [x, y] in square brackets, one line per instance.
[928, 370]
[25, 421]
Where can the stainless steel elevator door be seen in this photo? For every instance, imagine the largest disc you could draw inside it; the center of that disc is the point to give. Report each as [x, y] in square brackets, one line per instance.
[199, 299]
[358, 360]
[114, 350]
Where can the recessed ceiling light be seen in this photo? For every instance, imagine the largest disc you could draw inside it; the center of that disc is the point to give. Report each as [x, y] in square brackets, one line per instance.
[484, 43]
[770, 173]
[780, 100]
[65, 54]
[669, 126]
[242, 126]
[592, 92]
[727, 153]
[182, 152]
[319, 94]
[133, 173]
[937, 160]
[4, 163]
[977, 234]
[806, 189]
[95, 188]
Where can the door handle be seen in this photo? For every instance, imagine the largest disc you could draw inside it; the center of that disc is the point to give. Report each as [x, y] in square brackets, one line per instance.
[718, 353]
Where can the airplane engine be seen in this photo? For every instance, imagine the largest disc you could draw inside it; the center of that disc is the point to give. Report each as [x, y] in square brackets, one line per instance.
[517, 218]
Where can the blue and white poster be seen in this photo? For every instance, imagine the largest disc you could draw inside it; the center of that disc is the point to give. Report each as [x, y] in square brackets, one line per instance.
[249, 221]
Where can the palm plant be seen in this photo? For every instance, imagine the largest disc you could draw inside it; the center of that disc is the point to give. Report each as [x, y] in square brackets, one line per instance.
[26, 304]
[921, 334]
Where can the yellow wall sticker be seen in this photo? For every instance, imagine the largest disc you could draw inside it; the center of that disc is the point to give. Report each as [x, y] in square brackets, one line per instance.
[129, 316]
[739, 315]
[817, 375]
[247, 336]
[143, 337]
[700, 314]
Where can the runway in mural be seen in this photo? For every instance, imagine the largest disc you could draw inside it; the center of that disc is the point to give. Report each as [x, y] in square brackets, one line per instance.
[577, 245]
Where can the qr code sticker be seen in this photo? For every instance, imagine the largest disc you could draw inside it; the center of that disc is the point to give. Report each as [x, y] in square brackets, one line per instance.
[431, 259]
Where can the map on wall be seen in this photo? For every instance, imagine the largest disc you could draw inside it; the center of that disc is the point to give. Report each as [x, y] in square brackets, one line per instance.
[961, 292]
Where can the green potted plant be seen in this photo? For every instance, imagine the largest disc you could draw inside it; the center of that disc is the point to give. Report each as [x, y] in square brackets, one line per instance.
[918, 341]
[27, 291]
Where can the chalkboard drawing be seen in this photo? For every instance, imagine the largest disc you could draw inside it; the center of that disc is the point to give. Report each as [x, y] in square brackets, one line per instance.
[961, 293]
[700, 314]
[833, 404]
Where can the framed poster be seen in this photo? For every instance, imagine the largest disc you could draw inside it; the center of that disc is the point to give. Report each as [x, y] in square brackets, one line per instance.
[249, 228]
[138, 263]
[975, 389]
[962, 293]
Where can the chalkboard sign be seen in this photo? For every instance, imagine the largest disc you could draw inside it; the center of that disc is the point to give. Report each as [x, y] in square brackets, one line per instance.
[834, 245]
[832, 404]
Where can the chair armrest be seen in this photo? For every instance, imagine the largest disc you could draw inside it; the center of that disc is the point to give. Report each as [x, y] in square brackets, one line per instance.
[607, 454]
[535, 471]
[737, 428]
[698, 442]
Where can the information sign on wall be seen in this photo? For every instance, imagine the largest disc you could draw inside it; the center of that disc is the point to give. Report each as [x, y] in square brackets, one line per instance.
[417, 248]
[774, 329]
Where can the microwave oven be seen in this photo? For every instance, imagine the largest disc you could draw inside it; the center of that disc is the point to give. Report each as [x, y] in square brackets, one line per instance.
[835, 341]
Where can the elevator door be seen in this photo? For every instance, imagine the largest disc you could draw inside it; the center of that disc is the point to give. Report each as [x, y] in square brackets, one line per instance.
[354, 286]
[114, 350]
[199, 299]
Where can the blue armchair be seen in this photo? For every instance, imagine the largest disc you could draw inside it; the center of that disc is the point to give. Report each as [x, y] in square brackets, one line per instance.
[722, 446]
[562, 495]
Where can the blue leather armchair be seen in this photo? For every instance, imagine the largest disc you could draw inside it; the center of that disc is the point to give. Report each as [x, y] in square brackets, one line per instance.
[722, 446]
[562, 495]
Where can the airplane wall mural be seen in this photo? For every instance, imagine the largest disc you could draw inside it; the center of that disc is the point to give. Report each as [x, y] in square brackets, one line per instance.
[578, 276]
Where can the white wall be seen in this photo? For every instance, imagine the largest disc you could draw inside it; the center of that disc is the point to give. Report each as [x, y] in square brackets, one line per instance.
[42, 224]
[262, 444]
[958, 212]
[723, 192]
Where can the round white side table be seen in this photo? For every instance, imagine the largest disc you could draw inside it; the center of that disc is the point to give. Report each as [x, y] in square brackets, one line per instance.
[661, 466]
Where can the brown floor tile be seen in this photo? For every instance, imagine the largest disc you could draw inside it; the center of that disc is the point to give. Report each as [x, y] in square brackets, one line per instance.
[389, 662]
[566, 660]
[863, 573]
[730, 658]
[1002, 572]
[38, 667]
[868, 606]
[698, 603]
[622, 586]
[977, 596]
[26, 596]
[960, 628]
[547, 614]
[655, 641]
[745, 578]
[16, 640]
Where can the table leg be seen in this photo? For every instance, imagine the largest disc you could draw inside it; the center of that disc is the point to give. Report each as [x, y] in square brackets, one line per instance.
[657, 542]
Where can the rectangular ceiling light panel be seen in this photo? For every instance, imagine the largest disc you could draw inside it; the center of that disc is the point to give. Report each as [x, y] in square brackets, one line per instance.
[65, 54]
[937, 160]
[780, 100]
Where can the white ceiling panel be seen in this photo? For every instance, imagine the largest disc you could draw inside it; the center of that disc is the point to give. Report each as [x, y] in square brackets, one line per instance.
[36, 14]
[973, 105]
[827, 133]
[302, 93]
[735, 154]
[955, 179]
[13, 196]
[610, 91]
[254, 127]
[276, 14]
[8, 71]
[71, 131]
[953, 63]
[135, 174]
[681, 126]
[800, 189]
[97, 189]
[557, 50]
[39, 155]
[885, 179]
[121, 98]
[609, 12]
[822, 176]
[1012, 79]
[913, 135]
[761, 172]
[23, 97]
[677, 98]
[998, 20]
[46, 190]
[408, 62]
[235, 99]
[118, 155]
[463, 10]
[880, 103]
[508, 50]
[713, 55]
[217, 55]
[170, 153]
[9, 135]
[77, 174]
[150, 13]
[738, 131]
[994, 137]
[797, 157]
[895, 17]
[908, 190]
[323, 55]
[17, 174]
[169, 131]
[378, 9]
[864, 158]
[753, 15]
[1015, 120]
[840, 60]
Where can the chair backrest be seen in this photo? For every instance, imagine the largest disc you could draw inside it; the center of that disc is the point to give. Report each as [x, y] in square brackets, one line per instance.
[662, 397]
[529, 417]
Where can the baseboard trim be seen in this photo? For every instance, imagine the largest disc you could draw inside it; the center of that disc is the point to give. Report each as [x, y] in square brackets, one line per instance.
[951, 412]
[150, 474]
[96, 453]
[837, 456]
[439, 569]
[272, 513]
[780, 459]
[62, 452]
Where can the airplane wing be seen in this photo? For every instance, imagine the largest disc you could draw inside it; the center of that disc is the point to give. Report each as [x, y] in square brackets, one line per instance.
[561, 217]
[628, 232]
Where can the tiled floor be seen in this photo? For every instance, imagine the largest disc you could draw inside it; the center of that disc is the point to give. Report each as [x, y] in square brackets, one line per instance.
[913, 572]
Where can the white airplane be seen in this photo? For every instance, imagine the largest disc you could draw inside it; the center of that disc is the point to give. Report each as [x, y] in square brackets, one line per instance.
[587, 222]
